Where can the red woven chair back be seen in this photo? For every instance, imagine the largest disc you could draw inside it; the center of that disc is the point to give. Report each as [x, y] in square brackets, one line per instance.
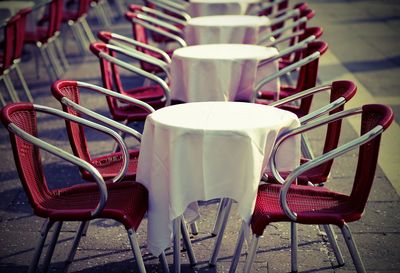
[76, 132]
[9, 43]
[308, 74]
[27, 156]
[109, 74]
[373, 115]
[20, 32]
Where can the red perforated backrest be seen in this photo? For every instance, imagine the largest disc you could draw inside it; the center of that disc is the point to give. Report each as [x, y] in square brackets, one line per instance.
[20, 32]
[308, 74]
[76, 132]
[372, 115]
[26, 155]
[9, 42]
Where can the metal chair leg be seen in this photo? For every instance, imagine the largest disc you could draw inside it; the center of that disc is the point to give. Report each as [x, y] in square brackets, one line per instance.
[193, 228]
[78, 37]
[38, 251]
[86, 28]
[23, 82]
[54, 60]
[10, 88]
[332, 241]
[136, 250]
[238, 249]
[351, 245]
[176, 225]
[251, 254]
[188, 244]
[217, 224]
[294, 245]
[163, 262]
[47, 62]
[74, 246]
[52, 245]
[61, 53]
[220, 235]
[3, 102]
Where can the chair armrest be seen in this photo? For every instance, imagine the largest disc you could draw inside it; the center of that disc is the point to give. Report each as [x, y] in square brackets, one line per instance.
[151, 27]
[115, 38]
[164, 16]
[298, 22]
[158, 22]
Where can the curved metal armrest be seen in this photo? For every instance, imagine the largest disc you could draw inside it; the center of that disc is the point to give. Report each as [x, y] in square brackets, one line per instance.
[164, 15]
[282, 39]
[139, 71]
[285, 15]
[151, 27]
[74, 159]
[158, 22]
[284, 71]
[290, 50]
[267, 38]
[309, 92]
[176, 5]
[138, 55]
[117, 37]
[317, 160]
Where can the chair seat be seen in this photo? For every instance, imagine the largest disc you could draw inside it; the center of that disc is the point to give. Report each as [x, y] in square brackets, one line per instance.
[110, 164]
[127, 203]
[313, 205]
[154, 68]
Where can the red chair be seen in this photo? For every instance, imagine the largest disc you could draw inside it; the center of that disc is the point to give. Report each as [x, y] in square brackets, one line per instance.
[340, 93]
[125, 202]
[308, 72]
[108, 165]
[156, 95]
[314, 205]
[44, 38]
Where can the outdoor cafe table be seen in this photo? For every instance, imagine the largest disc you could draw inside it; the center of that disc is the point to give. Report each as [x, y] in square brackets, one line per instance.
[198, 8]
[220, 72]
[207, 150]
[229, 29]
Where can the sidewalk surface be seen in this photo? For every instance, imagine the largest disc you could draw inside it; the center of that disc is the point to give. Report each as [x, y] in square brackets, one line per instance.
[364, 46]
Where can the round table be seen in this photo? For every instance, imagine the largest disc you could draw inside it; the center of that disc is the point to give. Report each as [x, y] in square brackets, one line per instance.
[198, 8]
[207, 150]
[238, 29]
[220, 72]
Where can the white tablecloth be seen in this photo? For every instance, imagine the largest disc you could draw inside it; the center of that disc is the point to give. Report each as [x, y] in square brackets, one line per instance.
[220, 72]
[207, 150]
[228, 29]
[217, 7]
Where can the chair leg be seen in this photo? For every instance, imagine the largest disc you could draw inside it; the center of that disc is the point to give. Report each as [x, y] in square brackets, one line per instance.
[220, 235]
[217, 224]
[351, 245]
[87, 30]
[332, 241]
[194, 229]
[188, 244]
[74, 246]
[163, 262]
[52, 245]
[3, 102]
[23, 82]
[136, 250]
[294, 246]
[61, 53]
[176, 225]
[251, 254]
[10, 88]
[76, 32]
[38, 251]
[54, 60]
[238, 248]
[47, 62]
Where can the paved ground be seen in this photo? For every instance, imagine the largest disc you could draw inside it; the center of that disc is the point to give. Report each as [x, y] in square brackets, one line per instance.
[363, 46]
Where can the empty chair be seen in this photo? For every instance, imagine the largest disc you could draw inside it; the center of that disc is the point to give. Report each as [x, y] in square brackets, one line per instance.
[125, 202]
[314, 205]
[44, 38]
[340, 93]
[157, 95]
[108, 165]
